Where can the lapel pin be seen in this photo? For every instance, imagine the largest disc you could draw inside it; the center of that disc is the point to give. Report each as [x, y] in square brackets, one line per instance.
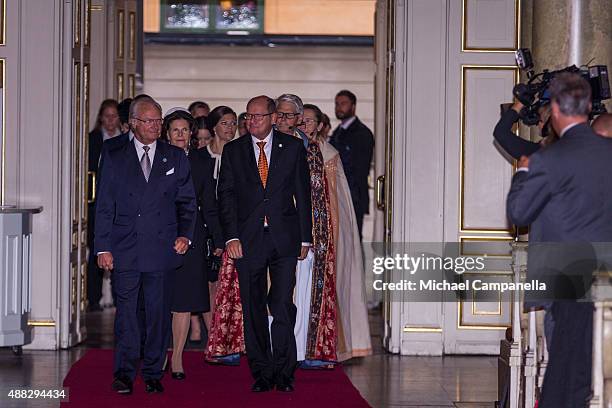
[164, 160]
[280, 145]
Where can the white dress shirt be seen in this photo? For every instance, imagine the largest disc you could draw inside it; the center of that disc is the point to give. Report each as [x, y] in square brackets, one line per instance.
[140, 151]
[217, 158]
[267, 147]
[568, 127]
[106, 135]
[348, 122]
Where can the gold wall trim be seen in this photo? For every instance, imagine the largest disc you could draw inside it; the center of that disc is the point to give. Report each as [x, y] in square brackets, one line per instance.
[476, 312]
[120, 34]
[120, 87]
[131, 85]
[461, 326]
[517, 31]
[41, 323]
[389, 142]
[87, 22]
[507, 255]
[3, 23]
[76, 21]
[464, 69]
[3, 123]
[132, 22]
[421, 329]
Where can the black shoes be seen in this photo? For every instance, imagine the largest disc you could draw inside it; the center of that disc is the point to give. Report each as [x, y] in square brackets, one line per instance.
[122, 385]
[284, 385]
[178, 375]
[153, 386]
[261, 385]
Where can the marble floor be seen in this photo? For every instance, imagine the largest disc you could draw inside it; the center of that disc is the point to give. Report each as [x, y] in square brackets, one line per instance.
[383, 379]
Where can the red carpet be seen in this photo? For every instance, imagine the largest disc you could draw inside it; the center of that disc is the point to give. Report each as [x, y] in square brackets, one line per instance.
[90, 378]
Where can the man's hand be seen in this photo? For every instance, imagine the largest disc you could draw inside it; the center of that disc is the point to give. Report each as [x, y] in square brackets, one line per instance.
[517, 107]
[181, 245]
[105, 261]
[523, 162]
[218, 252]
[234, 249]
[304, 252]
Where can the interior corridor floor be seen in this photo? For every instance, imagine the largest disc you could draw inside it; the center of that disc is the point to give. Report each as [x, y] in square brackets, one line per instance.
[384, 380]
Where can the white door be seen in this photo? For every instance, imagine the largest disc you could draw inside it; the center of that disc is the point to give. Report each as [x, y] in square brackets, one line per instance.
[450, 68]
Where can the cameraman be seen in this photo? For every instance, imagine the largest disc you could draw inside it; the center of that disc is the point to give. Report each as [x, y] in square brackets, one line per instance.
[516, 146]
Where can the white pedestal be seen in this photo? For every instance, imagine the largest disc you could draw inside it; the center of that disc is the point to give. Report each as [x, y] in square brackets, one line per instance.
[15, 278]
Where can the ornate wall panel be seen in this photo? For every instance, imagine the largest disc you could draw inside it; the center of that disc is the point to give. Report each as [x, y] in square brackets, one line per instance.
[490, 25]
[485, 175]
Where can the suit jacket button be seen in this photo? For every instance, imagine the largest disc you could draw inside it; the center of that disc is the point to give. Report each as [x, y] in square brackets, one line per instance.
[139, 215]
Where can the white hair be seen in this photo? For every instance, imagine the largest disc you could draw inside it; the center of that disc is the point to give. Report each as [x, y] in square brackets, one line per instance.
[292, 99]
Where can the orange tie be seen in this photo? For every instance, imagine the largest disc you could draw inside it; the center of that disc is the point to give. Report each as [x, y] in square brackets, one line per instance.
[262, 164]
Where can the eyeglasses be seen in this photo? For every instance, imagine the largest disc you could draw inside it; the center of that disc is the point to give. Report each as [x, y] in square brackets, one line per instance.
[256, 116]
[228, 124]
[150, 122]
[286, 115]
[308, 121]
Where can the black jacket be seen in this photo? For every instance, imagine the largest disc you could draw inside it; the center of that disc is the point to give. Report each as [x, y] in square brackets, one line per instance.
[207, 222]
[244, 203]
[356, 147]
[511, 143]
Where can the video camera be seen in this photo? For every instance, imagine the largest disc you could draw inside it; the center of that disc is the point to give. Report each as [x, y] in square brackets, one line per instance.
[534, 93]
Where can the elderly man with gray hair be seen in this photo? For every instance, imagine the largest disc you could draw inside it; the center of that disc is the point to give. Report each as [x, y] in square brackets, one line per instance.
[289, 115]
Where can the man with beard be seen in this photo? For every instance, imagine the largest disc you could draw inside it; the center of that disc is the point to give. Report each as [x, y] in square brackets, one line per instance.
[355, 143]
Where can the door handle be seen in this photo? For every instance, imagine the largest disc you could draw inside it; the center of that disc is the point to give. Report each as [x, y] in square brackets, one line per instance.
[91, 187]
[380, 192]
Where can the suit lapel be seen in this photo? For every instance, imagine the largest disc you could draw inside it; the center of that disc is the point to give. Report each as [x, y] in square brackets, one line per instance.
[276, 157]
[133, 166]
[249, 157]
[157, 170]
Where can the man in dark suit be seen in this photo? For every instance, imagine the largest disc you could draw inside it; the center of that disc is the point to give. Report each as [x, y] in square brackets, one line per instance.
[265, 213]
[564, 192]
[144, 222]
[355, 143]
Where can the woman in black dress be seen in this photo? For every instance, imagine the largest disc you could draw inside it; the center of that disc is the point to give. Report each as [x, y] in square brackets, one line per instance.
[222, 123]
[190, 282]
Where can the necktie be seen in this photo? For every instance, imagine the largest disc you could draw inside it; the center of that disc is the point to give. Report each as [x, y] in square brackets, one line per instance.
[145, 163]
[262, 164]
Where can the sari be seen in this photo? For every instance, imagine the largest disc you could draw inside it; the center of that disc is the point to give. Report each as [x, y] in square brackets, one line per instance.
[226, 338]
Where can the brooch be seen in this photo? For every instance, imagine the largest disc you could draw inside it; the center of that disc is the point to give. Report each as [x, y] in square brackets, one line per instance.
[280, 145]
[164, 160]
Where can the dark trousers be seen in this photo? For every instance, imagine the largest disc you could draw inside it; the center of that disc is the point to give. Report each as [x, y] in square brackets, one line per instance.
[567, 383]
[155, 296]
[276, 361]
